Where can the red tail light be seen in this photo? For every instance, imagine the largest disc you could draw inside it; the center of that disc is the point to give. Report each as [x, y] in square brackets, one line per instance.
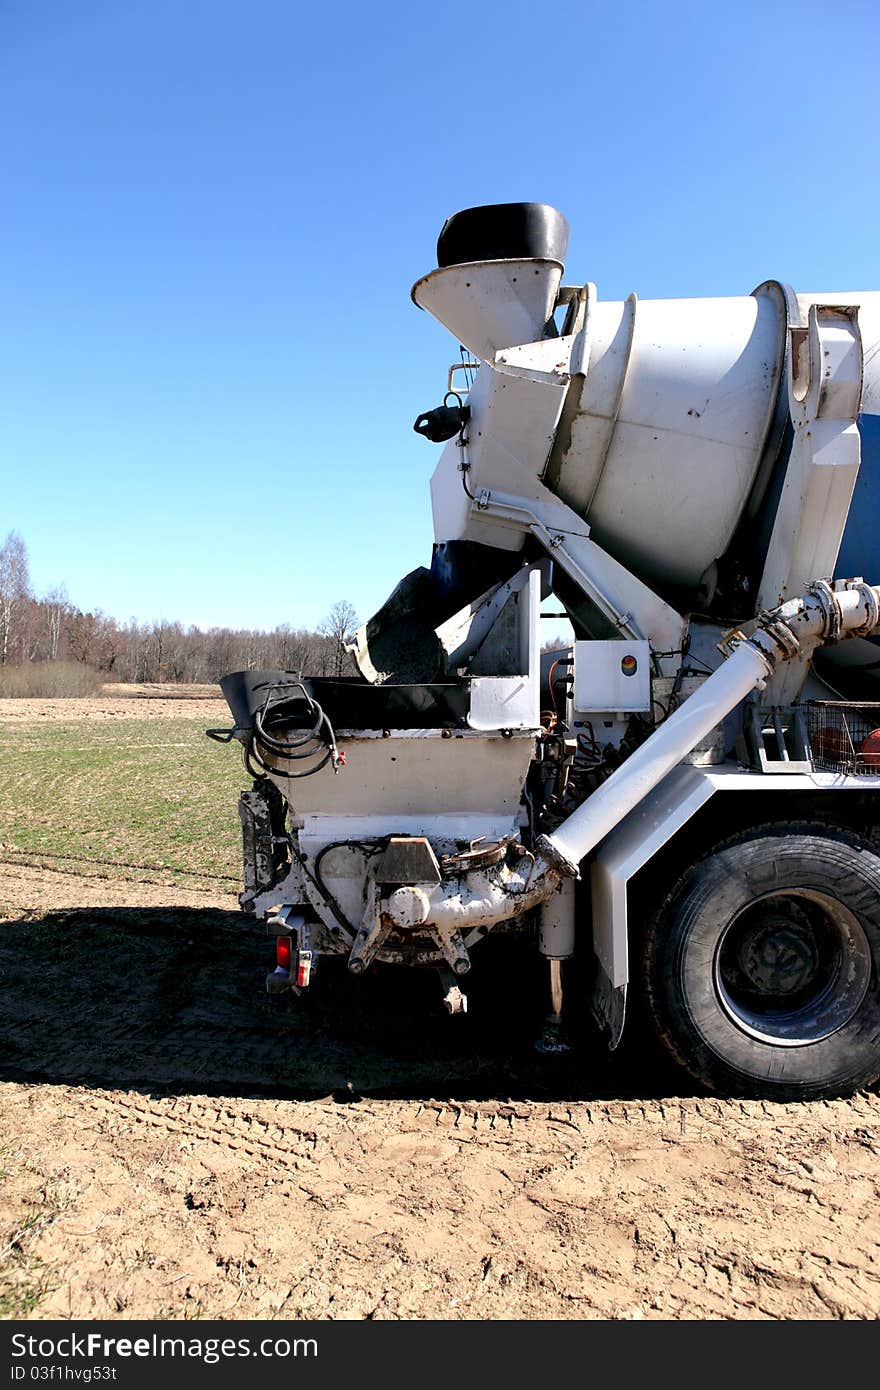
[282, 952]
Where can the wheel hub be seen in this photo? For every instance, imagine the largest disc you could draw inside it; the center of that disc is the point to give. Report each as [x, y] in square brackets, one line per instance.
[778, 956]
[792, 967]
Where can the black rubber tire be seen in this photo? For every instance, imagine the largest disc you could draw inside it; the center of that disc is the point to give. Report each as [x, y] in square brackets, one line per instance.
[682, 948]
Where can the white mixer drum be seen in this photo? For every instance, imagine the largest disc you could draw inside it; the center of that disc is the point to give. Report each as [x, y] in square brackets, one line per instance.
[667, 437]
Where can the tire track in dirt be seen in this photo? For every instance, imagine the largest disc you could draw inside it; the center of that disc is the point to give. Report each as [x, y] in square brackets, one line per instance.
[456, 1208]
[285, 1146]
[679, 1117]
[492, 1121]
[221, 1154]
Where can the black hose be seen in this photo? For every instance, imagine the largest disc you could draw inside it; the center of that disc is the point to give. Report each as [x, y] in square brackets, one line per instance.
[315, 876]
[305, 743]
[324, 892]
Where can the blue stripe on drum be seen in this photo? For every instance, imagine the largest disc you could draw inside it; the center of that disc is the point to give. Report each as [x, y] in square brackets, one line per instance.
[860, 547]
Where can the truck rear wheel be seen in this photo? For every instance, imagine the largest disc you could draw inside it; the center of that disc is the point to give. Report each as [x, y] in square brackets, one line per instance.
[762, 966]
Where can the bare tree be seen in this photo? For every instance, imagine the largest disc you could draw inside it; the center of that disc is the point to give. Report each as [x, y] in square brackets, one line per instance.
[52, 628]
[297, 649]
[14, 593]
[339, 627]
[81, 633]
[56, 605]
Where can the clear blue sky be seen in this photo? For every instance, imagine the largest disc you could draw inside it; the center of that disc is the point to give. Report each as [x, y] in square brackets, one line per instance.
[213, 211]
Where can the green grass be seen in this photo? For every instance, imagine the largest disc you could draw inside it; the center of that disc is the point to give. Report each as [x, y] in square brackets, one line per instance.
[150, 798]
[22, 1290]
[24, 1281]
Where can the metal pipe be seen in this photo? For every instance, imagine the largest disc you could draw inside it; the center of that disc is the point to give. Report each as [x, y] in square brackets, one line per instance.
[822, 613]
[556, 926]
[556, 988]
[658, 755]
[489, 897]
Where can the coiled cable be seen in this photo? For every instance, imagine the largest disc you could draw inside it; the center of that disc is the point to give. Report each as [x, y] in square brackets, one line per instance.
[315, 740]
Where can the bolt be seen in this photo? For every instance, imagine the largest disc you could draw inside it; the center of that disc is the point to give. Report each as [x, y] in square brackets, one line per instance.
[462, 966]
[356, 967]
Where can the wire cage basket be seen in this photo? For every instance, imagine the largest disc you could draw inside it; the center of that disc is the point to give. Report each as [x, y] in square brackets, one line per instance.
[845, 736]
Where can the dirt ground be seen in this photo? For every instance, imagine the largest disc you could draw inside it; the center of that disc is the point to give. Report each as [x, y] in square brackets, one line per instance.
[174, 1143]
[153, 702]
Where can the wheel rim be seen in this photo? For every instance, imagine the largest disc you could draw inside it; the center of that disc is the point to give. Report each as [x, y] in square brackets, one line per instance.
[792, 967]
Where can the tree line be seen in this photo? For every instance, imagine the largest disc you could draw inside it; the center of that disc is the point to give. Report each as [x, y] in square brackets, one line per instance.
[53, 629]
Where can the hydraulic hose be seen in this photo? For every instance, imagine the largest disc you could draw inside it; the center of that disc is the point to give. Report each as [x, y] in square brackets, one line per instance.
[310, 742]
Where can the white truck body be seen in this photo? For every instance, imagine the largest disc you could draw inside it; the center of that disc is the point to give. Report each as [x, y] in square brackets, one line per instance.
[682, 476]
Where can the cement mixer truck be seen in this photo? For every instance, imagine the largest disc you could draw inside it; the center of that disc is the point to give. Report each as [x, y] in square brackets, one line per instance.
[687, 794]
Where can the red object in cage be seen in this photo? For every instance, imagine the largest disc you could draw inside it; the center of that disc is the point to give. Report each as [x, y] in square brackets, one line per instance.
[833, 744]
[870, 749]
[845, 736]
